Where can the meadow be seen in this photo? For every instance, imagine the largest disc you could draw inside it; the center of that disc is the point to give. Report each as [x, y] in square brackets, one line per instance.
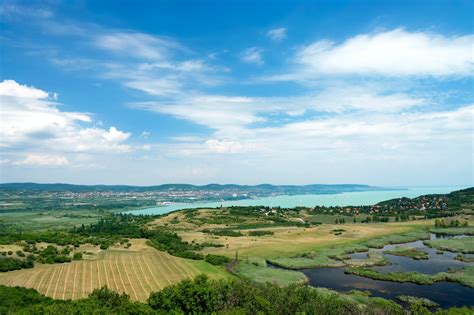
[285, 241]
[463, 245]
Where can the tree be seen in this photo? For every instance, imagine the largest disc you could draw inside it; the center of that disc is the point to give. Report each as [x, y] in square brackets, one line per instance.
[191, 297]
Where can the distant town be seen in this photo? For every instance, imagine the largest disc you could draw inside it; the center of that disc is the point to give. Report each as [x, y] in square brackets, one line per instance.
[31, 196]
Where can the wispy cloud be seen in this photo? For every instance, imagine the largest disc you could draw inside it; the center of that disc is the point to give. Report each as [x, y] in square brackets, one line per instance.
[137, 44]
[277, 34]
[252, 55]
[15, 10]
[42, 160]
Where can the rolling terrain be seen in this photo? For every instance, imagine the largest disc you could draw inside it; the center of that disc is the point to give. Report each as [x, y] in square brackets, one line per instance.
[137, 271]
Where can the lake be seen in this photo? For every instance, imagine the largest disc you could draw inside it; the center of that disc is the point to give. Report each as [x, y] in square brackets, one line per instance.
[343, 199]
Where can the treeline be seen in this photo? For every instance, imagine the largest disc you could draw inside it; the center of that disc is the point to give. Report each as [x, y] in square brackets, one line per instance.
[131, 226]
[110, 230]
[450, 223]
[10, 263]
[60, 238]
[201, 296]
[126, 225]
[223, 232]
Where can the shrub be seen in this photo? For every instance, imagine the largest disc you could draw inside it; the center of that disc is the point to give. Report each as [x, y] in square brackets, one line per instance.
[217, 259]
[260, 233]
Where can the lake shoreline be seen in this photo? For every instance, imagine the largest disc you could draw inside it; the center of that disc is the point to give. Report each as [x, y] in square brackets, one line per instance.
[359, 198]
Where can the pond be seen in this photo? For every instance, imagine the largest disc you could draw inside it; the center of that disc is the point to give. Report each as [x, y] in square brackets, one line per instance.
[446, 294]
[436, 262]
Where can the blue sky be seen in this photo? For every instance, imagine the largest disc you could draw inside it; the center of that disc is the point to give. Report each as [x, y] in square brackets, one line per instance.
[293, 92]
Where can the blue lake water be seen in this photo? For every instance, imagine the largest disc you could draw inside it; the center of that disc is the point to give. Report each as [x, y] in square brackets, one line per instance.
[285, 201]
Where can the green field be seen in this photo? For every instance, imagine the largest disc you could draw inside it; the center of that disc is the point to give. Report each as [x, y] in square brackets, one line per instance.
[47, 220]
[458, 245]
[264, 274]
[409, 252]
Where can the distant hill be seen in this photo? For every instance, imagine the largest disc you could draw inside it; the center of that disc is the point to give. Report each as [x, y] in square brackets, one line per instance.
[266, 189]
[453, 200]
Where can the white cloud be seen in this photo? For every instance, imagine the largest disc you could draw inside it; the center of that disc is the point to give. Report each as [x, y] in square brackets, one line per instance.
[163, 78]
[10, 10]
[218, 112]
[145, 134]
[157, 87]
[29, 122]
[225, 146]
[392, 53]
[341, 99]
[277, 33]
[115, 135]
[191, 65]
[94, 140]
[252, 55]
[137, 44]
[12, 88]
[232, 115]
[43, 160]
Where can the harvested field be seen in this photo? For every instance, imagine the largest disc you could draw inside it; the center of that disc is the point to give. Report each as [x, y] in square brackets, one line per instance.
[135, 272]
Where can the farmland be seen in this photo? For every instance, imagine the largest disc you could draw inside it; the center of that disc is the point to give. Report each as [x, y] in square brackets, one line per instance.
[137, 272]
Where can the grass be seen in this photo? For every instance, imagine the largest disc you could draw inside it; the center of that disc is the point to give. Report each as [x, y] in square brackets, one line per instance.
[37, 221]
[463, 245]
[411, 276]
[409, 252]
[463, 258]
[325, 257]
[262, 274]
[331, 257]
[316, 261]
[337, 256]
[331, 219]
[137, 272]
[286, 241]
[410, 300]
[463, 276]
[290, 241]
[373, 259]
[412, 236]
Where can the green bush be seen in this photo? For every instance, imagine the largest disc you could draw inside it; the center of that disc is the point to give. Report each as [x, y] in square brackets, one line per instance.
[223, 232]
[8, 264]
[217, 259]
[260, 233]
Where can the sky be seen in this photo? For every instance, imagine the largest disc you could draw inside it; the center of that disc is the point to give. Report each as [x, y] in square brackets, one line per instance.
[246, 92]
